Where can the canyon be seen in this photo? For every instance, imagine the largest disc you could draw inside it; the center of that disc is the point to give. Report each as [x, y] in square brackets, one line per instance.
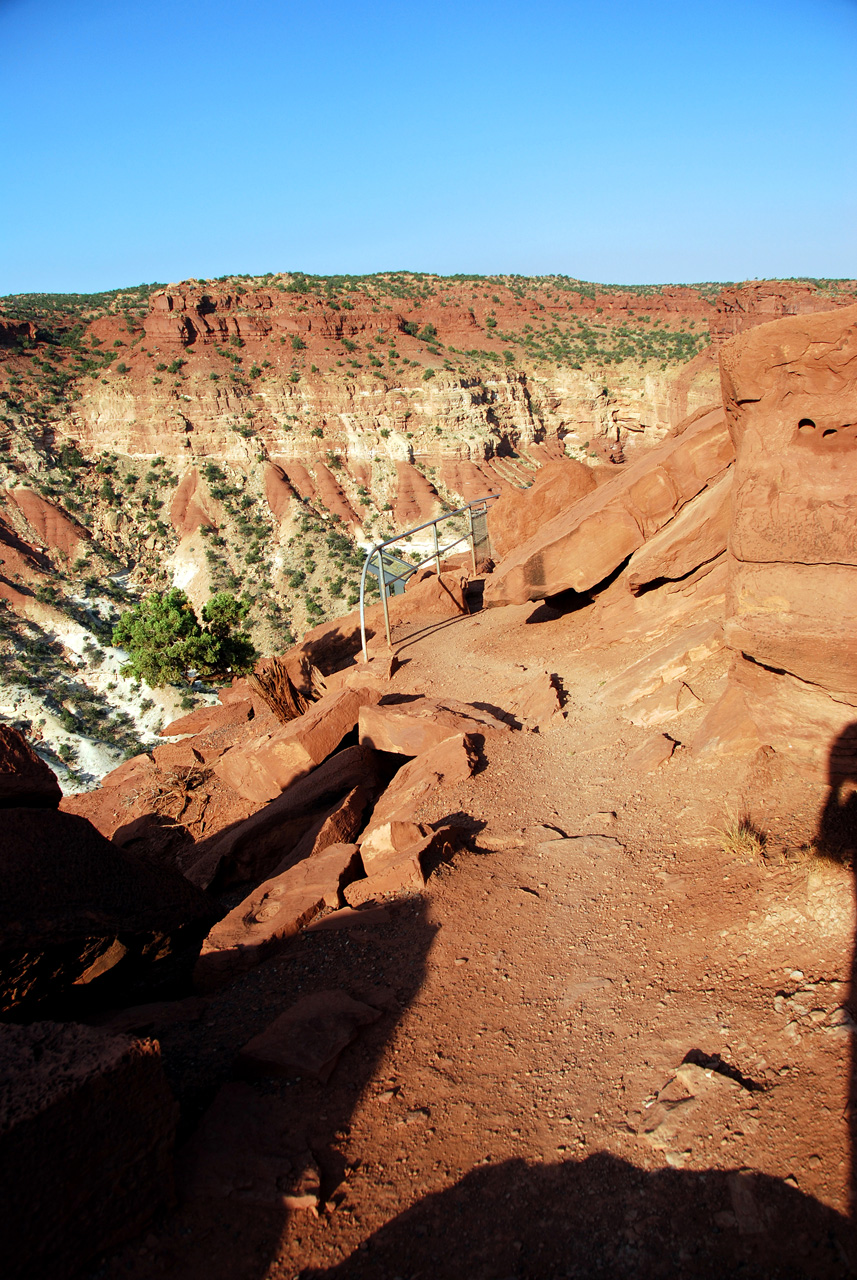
[521, 944]
[256, 434]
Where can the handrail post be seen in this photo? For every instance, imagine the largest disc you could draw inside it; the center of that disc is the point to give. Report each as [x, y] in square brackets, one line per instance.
[383, 576]
[366, 564]
[378, 550]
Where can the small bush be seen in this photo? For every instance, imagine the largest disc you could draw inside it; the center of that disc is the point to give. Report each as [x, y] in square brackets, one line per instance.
[740, 838]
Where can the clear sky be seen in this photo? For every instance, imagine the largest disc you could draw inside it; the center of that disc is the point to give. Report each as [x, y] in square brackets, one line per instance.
[623, 141]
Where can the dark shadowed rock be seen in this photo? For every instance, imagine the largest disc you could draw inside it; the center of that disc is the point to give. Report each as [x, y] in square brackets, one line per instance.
[87, 1125]
[308, 1038]
[254, 848]
[245, 1152]
[273, 913]
[82, 920]
[25, 779]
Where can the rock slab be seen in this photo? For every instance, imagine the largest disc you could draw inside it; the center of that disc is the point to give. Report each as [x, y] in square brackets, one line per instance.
[308, 1038]
[581, 546]
[273, 913]
[263, 769]
[87, 1127]
[83, 920]
[25, 779]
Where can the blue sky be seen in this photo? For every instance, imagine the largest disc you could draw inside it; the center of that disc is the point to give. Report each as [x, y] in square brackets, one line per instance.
[625, 141]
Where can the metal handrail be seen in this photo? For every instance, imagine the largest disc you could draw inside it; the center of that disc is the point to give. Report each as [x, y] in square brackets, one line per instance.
[384, 581]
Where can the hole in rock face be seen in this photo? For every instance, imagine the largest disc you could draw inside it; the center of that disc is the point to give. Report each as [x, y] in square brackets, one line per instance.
[806, 426]
[831, 431]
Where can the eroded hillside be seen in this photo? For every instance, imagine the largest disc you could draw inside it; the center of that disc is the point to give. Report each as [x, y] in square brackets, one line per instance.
[249, 434]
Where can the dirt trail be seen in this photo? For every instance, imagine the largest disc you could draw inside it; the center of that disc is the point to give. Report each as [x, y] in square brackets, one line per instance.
[622, 1056]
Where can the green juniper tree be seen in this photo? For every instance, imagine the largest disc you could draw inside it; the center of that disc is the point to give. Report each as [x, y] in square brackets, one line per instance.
[167, 644]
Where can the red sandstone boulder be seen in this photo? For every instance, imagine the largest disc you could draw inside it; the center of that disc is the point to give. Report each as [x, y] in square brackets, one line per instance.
[224, 715]
[517, 512]
[406, 867]
[308, 1038]
[82, 921]
[87, 1126]
[273, 913]
[696, 536]
[449, 762]
[728, 728]
[339, 825]
[534, 701]
[405, 872]
[651, 754]
[666, 703]
[254, 848]
[374, 674]
[410, 728]
[264, 768]
[789, 389]
[387, 842]
[431, 596]
[664, 665]
[580, 547]
[25, 780]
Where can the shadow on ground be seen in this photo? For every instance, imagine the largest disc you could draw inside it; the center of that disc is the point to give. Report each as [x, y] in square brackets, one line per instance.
[604, 1217]
[598, 1216]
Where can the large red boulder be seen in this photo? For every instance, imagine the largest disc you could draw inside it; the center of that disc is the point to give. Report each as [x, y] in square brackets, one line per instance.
[273, 913]
[254, 848]
[265, 767]
[87, 1127]
[580, 547]
[25, 780]
[695, 537]
[517, 512]
[410, 728]
[83, 921]
[451, 761]
[790, 388]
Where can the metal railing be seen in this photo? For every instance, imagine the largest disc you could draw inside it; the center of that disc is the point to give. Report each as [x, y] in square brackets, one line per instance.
[476, 511]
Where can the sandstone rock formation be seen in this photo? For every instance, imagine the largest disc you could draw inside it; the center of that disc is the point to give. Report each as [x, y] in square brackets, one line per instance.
[252, 849]
[308, 1038]
[411, 728]
[273, 913]
[451, 761]
[81, 918]
[696, 536]
[87, 1124]
[789, 390]
[266, 767]
[517, 512]
[580, 547]
[25, 780]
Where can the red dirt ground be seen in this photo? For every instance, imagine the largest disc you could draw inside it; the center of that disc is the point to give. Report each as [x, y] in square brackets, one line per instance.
[621, 1059]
